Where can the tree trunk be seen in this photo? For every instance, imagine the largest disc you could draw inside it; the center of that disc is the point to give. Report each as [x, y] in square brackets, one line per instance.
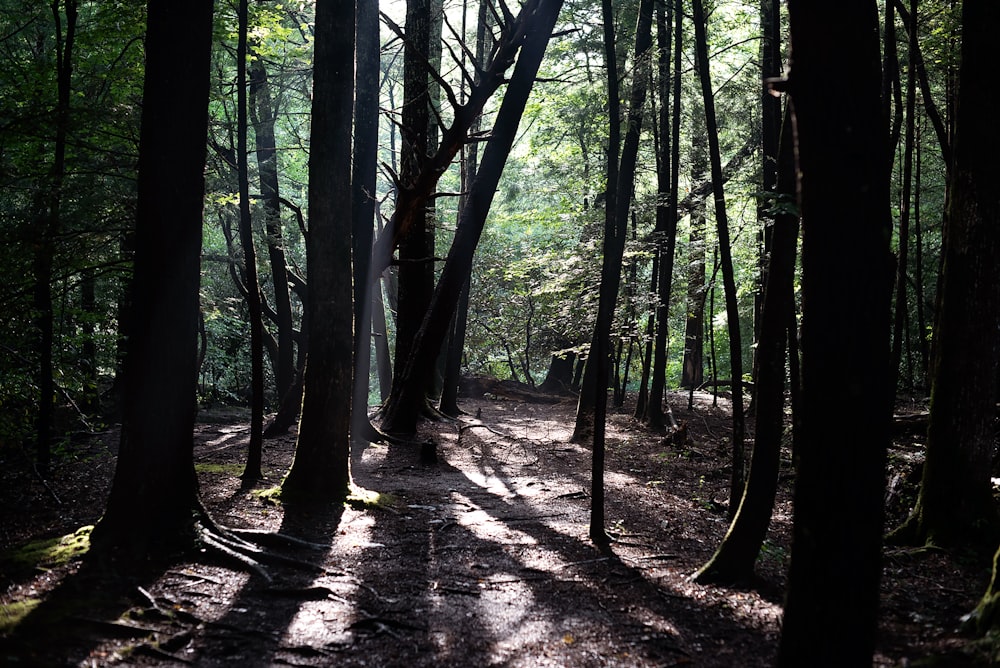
[252, 471]
[591, 373]
[154, 496]
[693, 371]
[263, 114]
[366, 115]
[403, 407]
[654, 411]
[955, 505]
[320, 470]
[725, 260]
[415, 271]
[614, 246]
[734, 560]
[831, 609]
[902, 255]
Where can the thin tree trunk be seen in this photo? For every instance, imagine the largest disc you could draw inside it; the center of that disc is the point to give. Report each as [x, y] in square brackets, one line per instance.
[734, 560]
[591, 372]
[252, 472]
[671, 134]
[726, 260]
[902, 255]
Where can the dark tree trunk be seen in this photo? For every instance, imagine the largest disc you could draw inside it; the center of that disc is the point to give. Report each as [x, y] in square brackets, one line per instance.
[263, 114]
[48, 206]
[693, 370]
[252, 471]
[725, 260]
[614, 246]
[902, 255]
[154, 495]
[470, 158]
[321, 471]
[734, 560]
[955, 505]
[831, 610]
[366, 115]
[654, 411]
[591, 372]
[415, 271]
[403, 408]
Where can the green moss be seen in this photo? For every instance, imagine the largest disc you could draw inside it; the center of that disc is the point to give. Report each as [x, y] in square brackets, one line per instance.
[11, 614]
[366, 499]
[49, 552]
[270, 495]
[221, 469]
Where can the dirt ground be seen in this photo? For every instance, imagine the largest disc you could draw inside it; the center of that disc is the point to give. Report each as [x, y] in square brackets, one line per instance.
[478, 559]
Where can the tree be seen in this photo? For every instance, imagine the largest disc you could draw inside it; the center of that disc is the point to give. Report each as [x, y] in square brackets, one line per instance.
[955, 505]
[534, 25]
[734, 560]
[48, 203]
[321, 468]
[833, 582]
[363, 203]
[725, 257]
[252, 471]
[154, 500]
[668, 174]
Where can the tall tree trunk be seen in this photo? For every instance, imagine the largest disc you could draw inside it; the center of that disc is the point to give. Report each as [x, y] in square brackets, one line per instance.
[654, 411]
[614, 246]
[252, 471]
[955, 505]
[321, 469]
[725, 260]
[734, 560]
[585, 404]
[902, 255]
[263, 115]
[693, 370]
[366, 116]
[470, 158]
[831, 609]
[48, 207]
[416, 250]
[403, 407]
[154, 496]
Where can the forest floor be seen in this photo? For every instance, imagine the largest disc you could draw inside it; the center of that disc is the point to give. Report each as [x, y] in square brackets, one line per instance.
[478, 559]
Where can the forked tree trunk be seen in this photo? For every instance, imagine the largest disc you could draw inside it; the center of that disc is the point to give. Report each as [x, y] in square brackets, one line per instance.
[404, 405]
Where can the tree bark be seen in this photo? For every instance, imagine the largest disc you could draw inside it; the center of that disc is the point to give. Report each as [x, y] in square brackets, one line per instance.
[831, 610]
[366, 285]
[955, 506]
[654, 411]
[734, 560]
[725, 260]
[154, 495]
[320, 470]
[252, 471]
[404, 405]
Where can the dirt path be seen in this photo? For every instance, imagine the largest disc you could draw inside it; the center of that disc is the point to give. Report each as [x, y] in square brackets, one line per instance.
[479, 559]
